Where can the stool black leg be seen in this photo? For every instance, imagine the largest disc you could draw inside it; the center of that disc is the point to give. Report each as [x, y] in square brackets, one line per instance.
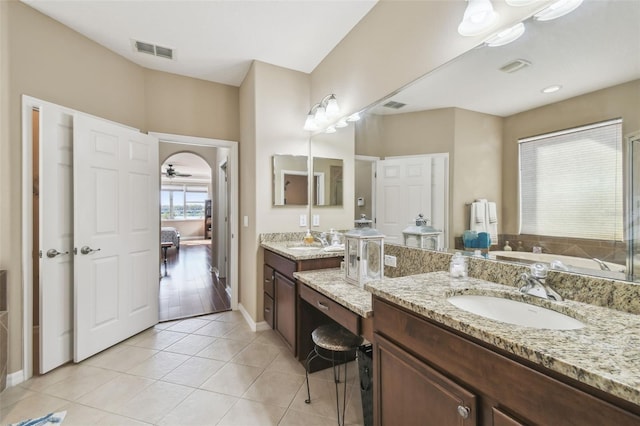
[344, 395]
[313, 354]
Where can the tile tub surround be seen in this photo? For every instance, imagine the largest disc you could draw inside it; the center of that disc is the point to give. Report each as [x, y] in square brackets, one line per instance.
[605, 354]
[331, 283]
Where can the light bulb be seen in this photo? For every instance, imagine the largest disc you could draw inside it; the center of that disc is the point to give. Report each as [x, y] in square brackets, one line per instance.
[507, 36]
[478, 17]
[557, 9]
[332, 108]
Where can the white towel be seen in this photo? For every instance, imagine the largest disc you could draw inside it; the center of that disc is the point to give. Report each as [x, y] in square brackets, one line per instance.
[478, 212]
[493, 214]
[492, 222]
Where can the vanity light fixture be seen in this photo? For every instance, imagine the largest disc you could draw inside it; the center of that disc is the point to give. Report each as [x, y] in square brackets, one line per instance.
[478, 17]
[518, 3]
[322, 112]
[551, 89]
[507, 36]
[557, 9]
[330, 129]
[354, 117]
[342, 123]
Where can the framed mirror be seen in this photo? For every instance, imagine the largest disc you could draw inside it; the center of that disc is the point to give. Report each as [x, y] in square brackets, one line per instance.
[477, 107]
[290, 180]
[327, 186]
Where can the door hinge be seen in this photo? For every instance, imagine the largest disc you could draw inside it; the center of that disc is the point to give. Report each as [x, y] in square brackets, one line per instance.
[75, 250]
[40, 254]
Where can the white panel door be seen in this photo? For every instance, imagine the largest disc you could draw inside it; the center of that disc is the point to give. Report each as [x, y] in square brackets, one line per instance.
[56, 236]
[403, 190]
[408, 186]
[116, 199]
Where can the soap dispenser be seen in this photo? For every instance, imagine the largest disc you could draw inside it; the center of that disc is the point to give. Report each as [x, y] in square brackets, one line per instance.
[308, 238]
[507, 247]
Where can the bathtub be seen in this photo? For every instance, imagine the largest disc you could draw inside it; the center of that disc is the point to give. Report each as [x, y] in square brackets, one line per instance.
[569, 261]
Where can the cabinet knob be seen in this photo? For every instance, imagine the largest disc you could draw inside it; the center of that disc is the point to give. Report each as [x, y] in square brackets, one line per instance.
[463, 411]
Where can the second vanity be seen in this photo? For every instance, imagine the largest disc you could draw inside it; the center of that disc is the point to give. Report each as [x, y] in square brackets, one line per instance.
[435, 361]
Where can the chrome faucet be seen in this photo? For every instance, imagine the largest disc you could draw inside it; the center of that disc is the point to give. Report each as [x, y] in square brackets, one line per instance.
[534, 283]
[323, 239]
[603, 266]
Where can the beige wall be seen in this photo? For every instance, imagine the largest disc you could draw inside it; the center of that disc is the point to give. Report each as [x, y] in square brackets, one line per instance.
[42, 58]
[618, 101]
[188, 106]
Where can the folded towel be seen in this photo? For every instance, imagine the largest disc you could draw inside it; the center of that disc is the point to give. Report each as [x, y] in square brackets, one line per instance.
[334, 248]
[478, 212]
[48, 420]
[493, 214]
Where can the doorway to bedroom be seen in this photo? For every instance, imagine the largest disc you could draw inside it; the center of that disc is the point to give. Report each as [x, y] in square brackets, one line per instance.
[190, 202]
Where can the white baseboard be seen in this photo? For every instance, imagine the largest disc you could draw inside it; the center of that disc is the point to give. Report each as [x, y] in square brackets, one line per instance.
[16, 378]
[260, 326]
[247, 317]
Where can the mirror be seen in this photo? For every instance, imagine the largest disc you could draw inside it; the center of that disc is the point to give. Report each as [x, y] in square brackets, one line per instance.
[327, 182]
[290, 180]
[472, 110]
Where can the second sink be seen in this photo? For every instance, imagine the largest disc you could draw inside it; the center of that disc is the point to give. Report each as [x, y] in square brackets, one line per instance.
[514, 312]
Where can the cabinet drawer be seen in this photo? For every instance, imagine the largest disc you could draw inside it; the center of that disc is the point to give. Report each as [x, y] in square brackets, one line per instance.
[268, 310]
[281, 264]
[333, 310]
[268, 280]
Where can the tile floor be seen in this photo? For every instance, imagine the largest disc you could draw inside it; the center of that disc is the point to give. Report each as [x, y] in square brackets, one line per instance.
[210, 370]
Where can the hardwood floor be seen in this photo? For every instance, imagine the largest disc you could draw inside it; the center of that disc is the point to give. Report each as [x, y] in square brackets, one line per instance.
[189, 288]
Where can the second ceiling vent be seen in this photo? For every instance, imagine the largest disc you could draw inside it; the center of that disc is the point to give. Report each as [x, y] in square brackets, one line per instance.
[152, 49]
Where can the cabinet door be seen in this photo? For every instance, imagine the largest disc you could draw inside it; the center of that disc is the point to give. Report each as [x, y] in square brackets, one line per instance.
[285, 309]
[501, 418]
[409, 392]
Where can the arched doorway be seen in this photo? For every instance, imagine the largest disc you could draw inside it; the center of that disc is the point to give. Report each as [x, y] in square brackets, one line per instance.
[189, 285]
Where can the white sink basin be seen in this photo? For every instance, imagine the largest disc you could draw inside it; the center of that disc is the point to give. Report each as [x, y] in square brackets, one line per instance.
[514, 312]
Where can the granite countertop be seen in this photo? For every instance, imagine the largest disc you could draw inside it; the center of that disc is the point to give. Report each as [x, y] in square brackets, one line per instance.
[605, 354]
[296, 250]
[331, 283]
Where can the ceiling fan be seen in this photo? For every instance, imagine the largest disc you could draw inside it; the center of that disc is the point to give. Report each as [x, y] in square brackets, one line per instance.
[171, 172]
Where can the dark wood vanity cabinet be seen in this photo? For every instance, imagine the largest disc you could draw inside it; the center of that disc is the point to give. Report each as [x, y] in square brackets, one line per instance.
[429, 375]
[281, 292]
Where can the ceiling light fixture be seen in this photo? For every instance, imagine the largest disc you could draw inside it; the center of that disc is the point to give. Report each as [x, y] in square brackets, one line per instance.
[321, 113]
[551, 89]
[478, 17]
[518, 3]
[557, 9]
[507, 36]
[342, 123]
[354, 117]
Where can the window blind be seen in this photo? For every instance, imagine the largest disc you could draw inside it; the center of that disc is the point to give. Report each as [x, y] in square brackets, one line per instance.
[571, 183]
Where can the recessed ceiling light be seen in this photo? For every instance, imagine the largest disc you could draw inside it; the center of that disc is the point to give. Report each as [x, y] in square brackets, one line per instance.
[551, 89]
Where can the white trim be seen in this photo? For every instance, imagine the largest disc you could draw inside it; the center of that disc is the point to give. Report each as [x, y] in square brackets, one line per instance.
[15, 378]
[247, 317]
[233, 258]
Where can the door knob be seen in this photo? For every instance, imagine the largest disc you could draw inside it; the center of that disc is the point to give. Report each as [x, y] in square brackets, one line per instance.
[463, 411]
[87, 250]
[54, 253]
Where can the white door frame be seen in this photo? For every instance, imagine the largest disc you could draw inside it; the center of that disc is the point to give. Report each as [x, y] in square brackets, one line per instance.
[28, 104]
[233, 256]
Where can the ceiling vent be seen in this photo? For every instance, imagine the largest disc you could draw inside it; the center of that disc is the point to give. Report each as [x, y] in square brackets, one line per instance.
[152, 49]
[515, 65]
[394, 105]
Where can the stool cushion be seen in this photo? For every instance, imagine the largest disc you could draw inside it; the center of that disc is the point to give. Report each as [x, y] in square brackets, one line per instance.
[334, 337]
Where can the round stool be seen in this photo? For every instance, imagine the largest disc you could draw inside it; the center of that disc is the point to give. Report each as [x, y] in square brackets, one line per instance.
[333, 343]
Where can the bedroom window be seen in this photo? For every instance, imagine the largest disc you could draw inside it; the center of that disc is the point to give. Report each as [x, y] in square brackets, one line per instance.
[183, 202]
[571, 183]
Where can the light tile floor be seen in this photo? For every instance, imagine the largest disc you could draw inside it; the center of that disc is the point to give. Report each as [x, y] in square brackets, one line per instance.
[210, 370]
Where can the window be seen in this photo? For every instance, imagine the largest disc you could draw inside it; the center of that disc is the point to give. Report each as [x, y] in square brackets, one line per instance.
[183, 201]
[571, 183]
